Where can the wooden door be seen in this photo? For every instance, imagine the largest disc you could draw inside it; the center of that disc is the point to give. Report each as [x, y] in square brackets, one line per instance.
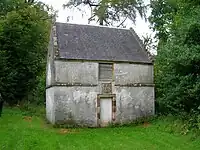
[105, 111]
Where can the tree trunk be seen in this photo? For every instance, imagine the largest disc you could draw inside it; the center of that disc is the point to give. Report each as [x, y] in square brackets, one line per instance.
[101, 22]
[1, 104]
[1, 107]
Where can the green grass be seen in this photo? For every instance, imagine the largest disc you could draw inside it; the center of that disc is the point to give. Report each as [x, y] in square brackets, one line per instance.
[18, 132]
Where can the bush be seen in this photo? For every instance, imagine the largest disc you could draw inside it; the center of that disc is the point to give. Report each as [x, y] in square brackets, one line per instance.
[182, 125]
[37, 95]
[177, 71]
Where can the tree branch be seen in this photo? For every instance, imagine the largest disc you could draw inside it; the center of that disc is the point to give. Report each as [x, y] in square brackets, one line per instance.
[122, 21]
[90, 3]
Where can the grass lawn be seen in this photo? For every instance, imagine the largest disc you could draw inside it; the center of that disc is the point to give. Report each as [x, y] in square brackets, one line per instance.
[18, 132]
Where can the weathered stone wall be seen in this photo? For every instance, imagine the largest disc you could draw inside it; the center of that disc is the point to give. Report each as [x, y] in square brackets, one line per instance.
[77, 86]
[85, 73]
[50, 104]
[133, 73]
[50, 61]
[134, 102]
[76, 105]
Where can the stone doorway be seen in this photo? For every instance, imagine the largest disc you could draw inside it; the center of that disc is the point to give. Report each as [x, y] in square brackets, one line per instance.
[106, 106]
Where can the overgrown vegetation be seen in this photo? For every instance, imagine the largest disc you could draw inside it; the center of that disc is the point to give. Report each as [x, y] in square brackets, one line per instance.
[24, 35]
[177, 72]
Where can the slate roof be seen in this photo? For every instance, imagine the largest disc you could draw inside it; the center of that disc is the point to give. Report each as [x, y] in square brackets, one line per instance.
[87, 42]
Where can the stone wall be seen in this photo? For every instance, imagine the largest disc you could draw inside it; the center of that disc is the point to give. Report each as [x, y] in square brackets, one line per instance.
[134, 102]
[75, 105]
[50, 63]
[77, 86]
[83, 73]
[50, 104]
[134, 91]
[126, 74]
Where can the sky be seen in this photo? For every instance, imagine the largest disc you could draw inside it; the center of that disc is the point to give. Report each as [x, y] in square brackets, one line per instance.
[141, 27]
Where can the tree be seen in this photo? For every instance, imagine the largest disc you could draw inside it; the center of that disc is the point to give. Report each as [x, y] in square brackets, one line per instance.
[177, 72]
[149, 43]
[112, 12]
[24, 35]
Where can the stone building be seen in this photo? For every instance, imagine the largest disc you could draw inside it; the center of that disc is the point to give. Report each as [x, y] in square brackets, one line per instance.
[97, 75]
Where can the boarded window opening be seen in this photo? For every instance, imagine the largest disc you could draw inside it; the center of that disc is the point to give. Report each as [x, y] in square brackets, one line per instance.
[105, 71]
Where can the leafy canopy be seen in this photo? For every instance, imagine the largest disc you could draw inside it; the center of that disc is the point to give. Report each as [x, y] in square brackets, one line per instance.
[177, 72]
[112, 12]
[24, 34]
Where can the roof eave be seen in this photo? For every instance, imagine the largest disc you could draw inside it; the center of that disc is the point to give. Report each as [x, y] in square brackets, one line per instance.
[106, 61]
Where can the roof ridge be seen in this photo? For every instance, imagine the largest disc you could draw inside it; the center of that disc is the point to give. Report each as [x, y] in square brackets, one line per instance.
[91, 25]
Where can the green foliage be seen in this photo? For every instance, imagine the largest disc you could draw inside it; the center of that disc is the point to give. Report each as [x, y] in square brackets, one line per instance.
[178, 125]
[177, 72]
[9, 5]
[37, 95]
[162, 16]
[110, 12]
[28, 109]
[24, 35]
